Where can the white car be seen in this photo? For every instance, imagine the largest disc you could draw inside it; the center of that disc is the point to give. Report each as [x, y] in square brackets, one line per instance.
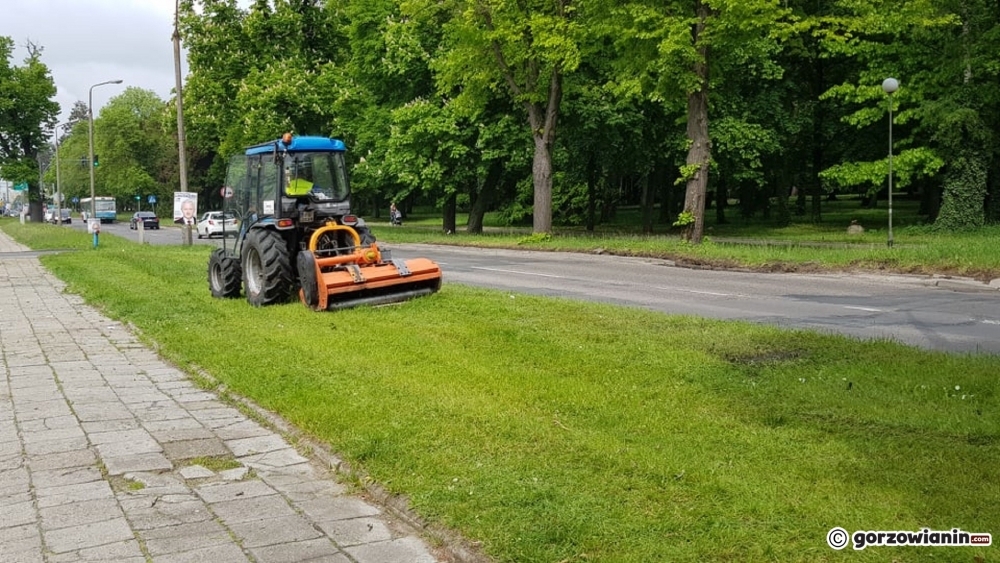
[217, 223]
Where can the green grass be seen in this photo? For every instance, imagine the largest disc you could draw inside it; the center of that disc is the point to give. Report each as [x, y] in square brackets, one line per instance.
[552, 430]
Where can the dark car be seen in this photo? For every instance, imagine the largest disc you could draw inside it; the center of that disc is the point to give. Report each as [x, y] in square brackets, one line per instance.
[148, 219]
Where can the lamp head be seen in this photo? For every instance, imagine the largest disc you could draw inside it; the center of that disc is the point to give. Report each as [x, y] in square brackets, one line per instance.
[890, 85]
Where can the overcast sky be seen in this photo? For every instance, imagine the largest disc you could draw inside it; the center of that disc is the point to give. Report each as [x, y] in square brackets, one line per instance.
[90, 41]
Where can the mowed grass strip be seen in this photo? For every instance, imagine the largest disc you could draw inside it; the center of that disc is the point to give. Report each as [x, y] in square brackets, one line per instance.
[552, 430]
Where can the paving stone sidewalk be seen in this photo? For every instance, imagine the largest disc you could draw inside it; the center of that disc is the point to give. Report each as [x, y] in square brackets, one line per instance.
[97, 438]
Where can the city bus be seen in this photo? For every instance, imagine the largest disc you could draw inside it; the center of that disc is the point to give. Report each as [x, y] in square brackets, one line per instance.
[104, 208]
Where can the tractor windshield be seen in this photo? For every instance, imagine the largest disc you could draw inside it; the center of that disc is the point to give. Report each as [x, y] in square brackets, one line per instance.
[319, 175]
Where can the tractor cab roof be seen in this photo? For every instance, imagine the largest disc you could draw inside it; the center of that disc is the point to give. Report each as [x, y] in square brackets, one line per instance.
[299, 144]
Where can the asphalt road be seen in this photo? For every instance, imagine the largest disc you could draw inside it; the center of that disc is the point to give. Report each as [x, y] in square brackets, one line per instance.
[933, 313]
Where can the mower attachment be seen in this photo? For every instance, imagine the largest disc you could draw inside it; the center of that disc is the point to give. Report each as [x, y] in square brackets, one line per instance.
[361, 276]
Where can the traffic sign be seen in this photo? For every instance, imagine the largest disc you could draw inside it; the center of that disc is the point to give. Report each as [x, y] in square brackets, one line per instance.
[227, 192]
[151, 199]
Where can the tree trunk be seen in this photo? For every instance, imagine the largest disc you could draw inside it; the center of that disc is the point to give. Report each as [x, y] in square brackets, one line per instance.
[668, 194]
[721, 201]
[591, 192]
[697, 131]
[450, 210]
[483, 200]
[541, 177]
[34, 193]
[648, 202]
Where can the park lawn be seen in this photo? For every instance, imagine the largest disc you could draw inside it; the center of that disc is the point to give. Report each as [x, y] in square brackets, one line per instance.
[551, 430]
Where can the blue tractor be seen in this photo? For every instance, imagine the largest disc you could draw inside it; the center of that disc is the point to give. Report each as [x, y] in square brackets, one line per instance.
[297, 235]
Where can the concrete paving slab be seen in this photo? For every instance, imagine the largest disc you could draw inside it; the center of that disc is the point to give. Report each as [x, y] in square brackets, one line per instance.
[221, 492]
[190, 449]
[222, 553]
[319, 550]
[15, 480]
[185, 537]
[153, 461]
[254, 508]
[13, 514]
[75, 458]
[273, 531]
[21, 543]
[51, 496]
[196, 472]
[356, 531]
[403, 550]
[79, 513]
[88, 535]
[337, 508]
[148, 513]
[121, 552]
[68, 475]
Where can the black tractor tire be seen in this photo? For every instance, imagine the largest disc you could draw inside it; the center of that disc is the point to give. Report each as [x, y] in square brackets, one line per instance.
[268, 277]
[225, 275]
[365, 234]
[306, 264]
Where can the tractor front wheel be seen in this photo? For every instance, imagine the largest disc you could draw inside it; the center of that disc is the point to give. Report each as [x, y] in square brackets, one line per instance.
[224, 274]
[306, 264]
[267, 268]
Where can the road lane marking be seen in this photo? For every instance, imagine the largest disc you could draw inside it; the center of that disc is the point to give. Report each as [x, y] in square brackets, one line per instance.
[866, 309]
[695, 291]
[990, 322]
[518, 272]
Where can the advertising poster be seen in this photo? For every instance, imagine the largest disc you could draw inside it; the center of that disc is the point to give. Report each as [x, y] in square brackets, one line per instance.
[185, 208]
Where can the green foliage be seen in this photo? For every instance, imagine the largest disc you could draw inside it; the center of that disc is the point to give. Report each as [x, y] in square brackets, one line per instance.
[684, 219]
[138, 155]
[964, 193]
[907, 166]
[27, 112]
[534, 238]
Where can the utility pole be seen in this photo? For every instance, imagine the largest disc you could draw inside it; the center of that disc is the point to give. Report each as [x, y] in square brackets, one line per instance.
[181, 151]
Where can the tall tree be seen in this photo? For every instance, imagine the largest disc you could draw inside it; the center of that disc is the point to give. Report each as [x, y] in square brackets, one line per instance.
[524, 48]
[27, 113]
[667, 50]
[131, 137]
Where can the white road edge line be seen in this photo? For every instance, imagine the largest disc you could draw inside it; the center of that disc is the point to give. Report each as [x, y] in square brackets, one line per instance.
[695, 291]
[990, 322]
[867, 309]
[518, 272]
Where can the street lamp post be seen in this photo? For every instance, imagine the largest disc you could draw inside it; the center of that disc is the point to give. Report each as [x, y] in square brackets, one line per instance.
[59, 203]
[889, 86]
[90, 119]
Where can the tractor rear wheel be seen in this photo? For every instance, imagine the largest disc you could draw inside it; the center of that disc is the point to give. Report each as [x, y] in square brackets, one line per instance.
[224, 274]
[267, 268]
